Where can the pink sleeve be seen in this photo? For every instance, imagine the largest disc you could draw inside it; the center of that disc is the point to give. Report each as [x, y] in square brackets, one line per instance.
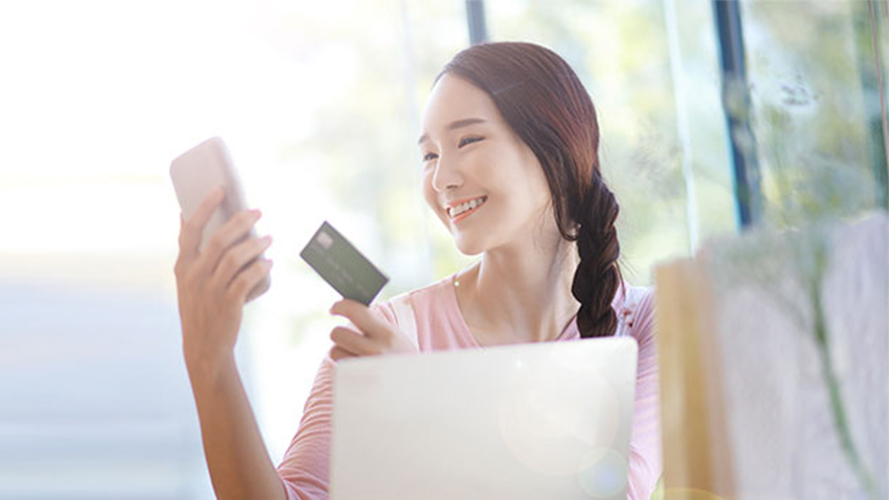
[646, 462]
[305, 468]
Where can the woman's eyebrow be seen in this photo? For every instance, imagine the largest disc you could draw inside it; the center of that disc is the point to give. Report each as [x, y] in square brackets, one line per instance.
[465, 122]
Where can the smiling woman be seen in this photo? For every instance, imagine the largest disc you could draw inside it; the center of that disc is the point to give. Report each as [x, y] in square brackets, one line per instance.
[510, 166]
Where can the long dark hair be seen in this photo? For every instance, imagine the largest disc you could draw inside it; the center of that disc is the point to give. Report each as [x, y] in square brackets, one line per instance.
[544, 102]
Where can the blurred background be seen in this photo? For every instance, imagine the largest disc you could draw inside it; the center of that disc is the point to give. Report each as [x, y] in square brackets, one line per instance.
[715, 117]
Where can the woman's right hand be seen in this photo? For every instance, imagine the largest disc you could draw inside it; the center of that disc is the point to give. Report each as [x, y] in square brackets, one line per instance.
[211, 284]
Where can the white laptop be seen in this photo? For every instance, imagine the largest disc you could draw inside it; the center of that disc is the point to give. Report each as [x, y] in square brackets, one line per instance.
[526, 421]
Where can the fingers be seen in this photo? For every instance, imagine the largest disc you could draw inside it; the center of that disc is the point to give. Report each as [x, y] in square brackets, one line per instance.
[353, 342]
[230, 233]
[192, 230]
[247, 279]
[237, 257]
[362, 317]
[337, 353]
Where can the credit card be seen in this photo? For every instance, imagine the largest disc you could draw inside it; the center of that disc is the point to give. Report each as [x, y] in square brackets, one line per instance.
[343, 266]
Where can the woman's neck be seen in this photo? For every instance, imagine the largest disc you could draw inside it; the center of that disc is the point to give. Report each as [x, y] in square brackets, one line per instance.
[521, 293]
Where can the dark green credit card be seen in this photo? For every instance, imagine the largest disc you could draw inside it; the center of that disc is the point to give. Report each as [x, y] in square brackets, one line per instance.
[343, 266]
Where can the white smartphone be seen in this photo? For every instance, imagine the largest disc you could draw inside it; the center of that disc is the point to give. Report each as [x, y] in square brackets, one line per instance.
[197, 172]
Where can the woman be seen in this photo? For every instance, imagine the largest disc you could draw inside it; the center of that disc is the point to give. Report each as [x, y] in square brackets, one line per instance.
[510, 165]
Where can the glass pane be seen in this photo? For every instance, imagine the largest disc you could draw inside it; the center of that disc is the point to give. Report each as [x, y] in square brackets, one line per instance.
[816, 108]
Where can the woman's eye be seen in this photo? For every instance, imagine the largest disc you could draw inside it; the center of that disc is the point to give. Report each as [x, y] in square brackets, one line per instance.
[429, 156]
[469, 140]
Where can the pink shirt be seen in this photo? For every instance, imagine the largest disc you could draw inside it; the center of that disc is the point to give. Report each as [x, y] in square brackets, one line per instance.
[440, 326]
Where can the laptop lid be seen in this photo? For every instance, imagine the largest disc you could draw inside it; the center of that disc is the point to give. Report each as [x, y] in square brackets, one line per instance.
[525, 421]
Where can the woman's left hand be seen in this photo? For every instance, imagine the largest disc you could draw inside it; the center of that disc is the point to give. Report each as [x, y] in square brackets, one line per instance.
[375, 336]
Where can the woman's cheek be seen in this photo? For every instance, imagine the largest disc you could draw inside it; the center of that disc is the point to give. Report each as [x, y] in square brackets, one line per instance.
[430, 196]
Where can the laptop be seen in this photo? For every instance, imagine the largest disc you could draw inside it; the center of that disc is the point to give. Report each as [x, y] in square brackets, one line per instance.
[525, 421]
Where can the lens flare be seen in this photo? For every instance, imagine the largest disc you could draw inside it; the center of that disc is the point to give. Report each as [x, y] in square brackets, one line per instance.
[602, 473]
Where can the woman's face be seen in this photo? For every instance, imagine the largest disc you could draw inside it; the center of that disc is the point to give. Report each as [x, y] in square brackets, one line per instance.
[479, 178]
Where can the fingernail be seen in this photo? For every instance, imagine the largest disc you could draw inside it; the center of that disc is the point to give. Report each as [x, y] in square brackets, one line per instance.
[267, 239]
[256, 213]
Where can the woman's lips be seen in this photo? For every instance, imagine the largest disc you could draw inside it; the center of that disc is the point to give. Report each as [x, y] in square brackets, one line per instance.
[465, 208]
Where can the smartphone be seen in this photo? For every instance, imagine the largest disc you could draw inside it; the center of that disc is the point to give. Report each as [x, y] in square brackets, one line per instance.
[195, 174]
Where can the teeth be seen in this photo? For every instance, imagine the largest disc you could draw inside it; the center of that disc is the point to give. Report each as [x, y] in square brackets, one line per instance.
[465, 207]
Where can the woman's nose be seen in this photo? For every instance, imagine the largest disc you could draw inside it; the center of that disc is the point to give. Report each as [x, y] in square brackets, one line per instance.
[446, 176]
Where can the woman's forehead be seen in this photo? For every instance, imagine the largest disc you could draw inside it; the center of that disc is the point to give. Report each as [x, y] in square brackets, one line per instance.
[454, 98]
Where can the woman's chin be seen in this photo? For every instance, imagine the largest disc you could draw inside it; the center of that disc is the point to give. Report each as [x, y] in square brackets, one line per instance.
[468, 246]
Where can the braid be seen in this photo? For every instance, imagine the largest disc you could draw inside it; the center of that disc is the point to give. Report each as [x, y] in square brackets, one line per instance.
[598, 274]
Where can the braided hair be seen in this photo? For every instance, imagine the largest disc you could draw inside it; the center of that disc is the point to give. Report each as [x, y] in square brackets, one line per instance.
[544, 102]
